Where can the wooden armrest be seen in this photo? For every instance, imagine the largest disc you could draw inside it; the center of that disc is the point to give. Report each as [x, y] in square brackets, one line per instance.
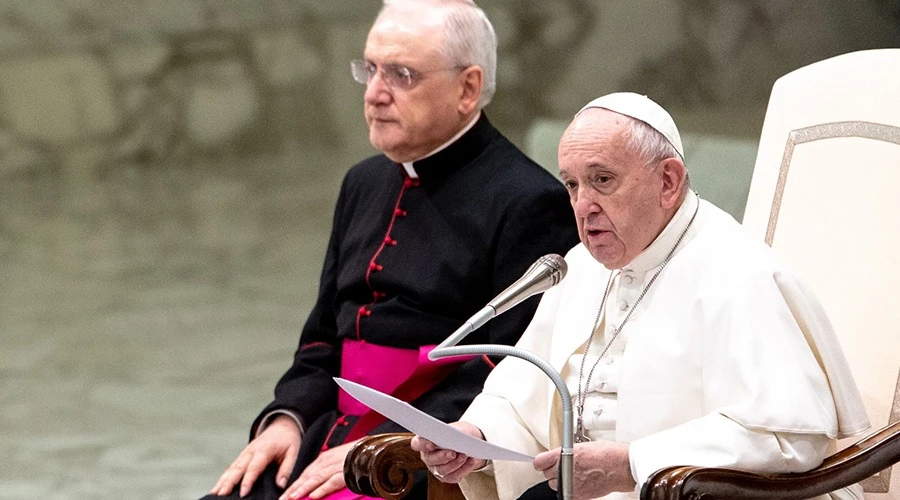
[868, 456]
[382, 466]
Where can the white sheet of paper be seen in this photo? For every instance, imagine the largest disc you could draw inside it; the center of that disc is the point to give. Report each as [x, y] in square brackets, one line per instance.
[427, 426]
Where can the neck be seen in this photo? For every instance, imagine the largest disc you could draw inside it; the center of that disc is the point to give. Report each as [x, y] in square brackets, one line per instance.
[459, 133]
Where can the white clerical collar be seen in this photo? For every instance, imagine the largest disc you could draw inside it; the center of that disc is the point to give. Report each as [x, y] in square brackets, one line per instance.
[408, 165]
[652, 257]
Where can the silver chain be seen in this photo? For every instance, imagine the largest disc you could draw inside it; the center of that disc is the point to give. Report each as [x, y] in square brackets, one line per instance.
[580, 435]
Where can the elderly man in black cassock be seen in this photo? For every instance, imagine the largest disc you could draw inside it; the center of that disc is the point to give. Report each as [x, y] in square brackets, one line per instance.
[423, 236]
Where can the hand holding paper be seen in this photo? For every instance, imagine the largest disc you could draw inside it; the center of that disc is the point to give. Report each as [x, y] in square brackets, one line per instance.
[427, 426]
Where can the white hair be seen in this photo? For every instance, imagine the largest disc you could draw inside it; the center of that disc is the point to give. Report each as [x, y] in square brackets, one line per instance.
[469, 38]
[651, 146]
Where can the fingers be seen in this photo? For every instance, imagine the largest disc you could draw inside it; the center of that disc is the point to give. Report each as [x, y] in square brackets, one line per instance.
[551, 474]
[257, 465]
[287, 466]
[421, 444]
[335, 483]
[432, 457]
[314, 476]
[232, 474]
[548, 464]
[448, 465]
[456, 469]
[280, 441]
[296, 490]
[315, 487]
[546, 460]
[439, 456]
[469, 429]
[325, 475]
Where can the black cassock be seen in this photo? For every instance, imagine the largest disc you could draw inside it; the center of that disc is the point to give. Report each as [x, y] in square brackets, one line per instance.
[408, 261]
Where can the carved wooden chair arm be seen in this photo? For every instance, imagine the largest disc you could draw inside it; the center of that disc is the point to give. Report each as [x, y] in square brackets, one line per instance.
[868, 456]
[383, 465]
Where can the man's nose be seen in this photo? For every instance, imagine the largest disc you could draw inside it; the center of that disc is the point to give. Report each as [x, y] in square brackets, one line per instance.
[583, 205]
[377, 90]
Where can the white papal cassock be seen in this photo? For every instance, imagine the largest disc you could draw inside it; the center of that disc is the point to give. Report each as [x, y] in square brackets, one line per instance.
[727, 361]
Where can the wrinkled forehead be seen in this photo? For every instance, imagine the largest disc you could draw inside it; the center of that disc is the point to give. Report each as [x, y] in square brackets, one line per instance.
[595, 136]
[402, 35]
[595, 126]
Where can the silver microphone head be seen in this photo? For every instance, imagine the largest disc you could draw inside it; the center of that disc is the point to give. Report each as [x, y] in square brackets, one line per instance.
[552, 266]
[557, 265]
[545, 273]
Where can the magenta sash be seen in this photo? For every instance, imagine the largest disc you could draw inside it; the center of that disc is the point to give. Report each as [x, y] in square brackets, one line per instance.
[344, 494]
[379, 367]
[405, 374]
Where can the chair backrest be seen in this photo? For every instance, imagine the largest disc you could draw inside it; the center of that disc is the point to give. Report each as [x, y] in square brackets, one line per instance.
[824, 195]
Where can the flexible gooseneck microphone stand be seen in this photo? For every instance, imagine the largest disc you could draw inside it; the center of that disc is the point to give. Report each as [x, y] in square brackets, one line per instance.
[522, 289]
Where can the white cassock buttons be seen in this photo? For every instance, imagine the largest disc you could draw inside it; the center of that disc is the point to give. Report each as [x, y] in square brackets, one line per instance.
[623, 306]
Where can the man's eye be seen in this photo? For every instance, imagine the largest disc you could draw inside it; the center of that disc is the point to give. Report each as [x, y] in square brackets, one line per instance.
[570, 185]
[603, 179]
[398, 72]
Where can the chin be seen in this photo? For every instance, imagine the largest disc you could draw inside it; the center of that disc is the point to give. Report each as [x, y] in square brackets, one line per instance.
[608, 261]
[380, 143]
[386, 136]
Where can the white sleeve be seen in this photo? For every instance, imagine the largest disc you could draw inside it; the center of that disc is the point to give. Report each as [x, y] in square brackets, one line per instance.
[717, 441]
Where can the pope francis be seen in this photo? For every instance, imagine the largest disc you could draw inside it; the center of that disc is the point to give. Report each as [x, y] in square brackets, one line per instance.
[682, 340]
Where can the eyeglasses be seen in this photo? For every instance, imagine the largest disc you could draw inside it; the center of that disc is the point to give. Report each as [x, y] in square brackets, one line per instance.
[395, 76]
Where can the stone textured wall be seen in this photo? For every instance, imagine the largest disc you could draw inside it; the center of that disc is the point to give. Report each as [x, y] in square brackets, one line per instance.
[94, 84]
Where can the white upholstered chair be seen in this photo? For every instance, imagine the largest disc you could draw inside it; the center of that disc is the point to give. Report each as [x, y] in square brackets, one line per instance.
[825, 194]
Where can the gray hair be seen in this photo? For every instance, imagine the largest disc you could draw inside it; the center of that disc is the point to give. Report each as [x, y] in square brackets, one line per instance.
[651, 146]
[469, 39]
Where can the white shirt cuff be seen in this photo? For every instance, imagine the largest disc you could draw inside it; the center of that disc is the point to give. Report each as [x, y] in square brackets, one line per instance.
[267, 420]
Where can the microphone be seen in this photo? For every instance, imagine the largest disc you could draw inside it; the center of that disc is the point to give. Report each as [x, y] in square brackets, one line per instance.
[546, 272]
[540, 277]
[543, 274]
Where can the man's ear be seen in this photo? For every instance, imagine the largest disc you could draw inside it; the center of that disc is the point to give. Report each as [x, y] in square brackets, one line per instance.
[472, 81]
[674, 175]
